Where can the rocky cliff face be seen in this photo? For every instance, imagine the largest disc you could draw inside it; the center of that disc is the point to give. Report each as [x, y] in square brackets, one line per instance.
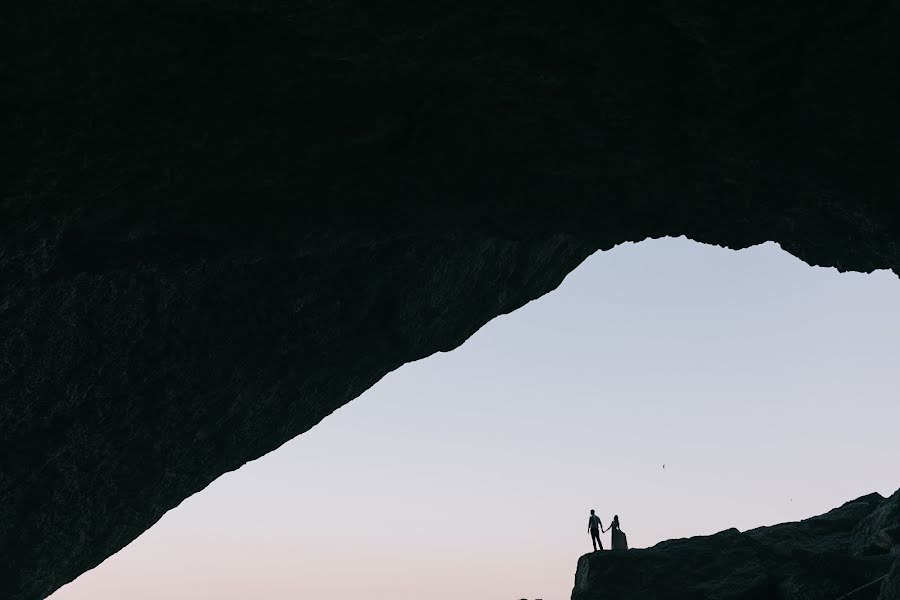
[822, 558]
[221, 220]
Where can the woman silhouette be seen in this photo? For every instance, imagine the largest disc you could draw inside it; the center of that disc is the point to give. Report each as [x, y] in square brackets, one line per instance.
[619, 540]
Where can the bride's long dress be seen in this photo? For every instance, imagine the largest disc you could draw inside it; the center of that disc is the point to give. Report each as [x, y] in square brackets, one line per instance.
[619, 540]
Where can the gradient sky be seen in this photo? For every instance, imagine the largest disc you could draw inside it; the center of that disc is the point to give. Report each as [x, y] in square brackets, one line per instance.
[768, 388]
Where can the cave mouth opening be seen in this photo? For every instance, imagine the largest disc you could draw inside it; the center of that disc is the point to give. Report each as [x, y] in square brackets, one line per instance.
[762, 384]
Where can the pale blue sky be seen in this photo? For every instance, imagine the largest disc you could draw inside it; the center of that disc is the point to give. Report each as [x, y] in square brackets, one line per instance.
[768, 388]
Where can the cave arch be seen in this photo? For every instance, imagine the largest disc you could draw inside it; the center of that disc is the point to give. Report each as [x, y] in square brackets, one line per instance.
[733, 367]
[224, 220]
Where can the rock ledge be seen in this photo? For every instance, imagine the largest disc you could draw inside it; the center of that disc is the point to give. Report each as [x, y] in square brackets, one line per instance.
[818, 558]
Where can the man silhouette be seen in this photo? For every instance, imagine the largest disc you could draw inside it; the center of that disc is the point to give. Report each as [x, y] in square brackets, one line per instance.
[594, 526]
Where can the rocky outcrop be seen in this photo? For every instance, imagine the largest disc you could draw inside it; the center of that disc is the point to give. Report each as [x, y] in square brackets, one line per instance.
[890, 588]
[808, 560]
[221, 220]
[879, 532]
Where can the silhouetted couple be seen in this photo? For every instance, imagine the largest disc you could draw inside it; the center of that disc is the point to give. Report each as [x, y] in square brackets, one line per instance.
[619, 541]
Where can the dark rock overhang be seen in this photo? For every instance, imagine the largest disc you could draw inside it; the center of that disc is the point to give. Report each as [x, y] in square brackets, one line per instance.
[222, 220]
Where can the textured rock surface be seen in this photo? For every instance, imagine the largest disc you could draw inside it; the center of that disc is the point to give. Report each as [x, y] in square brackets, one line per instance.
[890, 588]
[807, 560]
[879, 532]
[221, 220]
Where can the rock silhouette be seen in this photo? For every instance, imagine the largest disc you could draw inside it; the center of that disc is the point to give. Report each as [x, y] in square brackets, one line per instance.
[890, 589]
[879, 532]
[222, 220]
[812, 559]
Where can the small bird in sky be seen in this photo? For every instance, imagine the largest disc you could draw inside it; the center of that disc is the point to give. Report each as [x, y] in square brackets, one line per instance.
[664, 466]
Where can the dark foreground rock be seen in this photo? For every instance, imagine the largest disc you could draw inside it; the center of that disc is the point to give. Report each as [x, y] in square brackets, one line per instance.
[879, 532]
[890, 588]
[808, 560]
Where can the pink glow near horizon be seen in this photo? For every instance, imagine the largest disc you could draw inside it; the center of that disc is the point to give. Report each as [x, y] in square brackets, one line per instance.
[766, 386]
